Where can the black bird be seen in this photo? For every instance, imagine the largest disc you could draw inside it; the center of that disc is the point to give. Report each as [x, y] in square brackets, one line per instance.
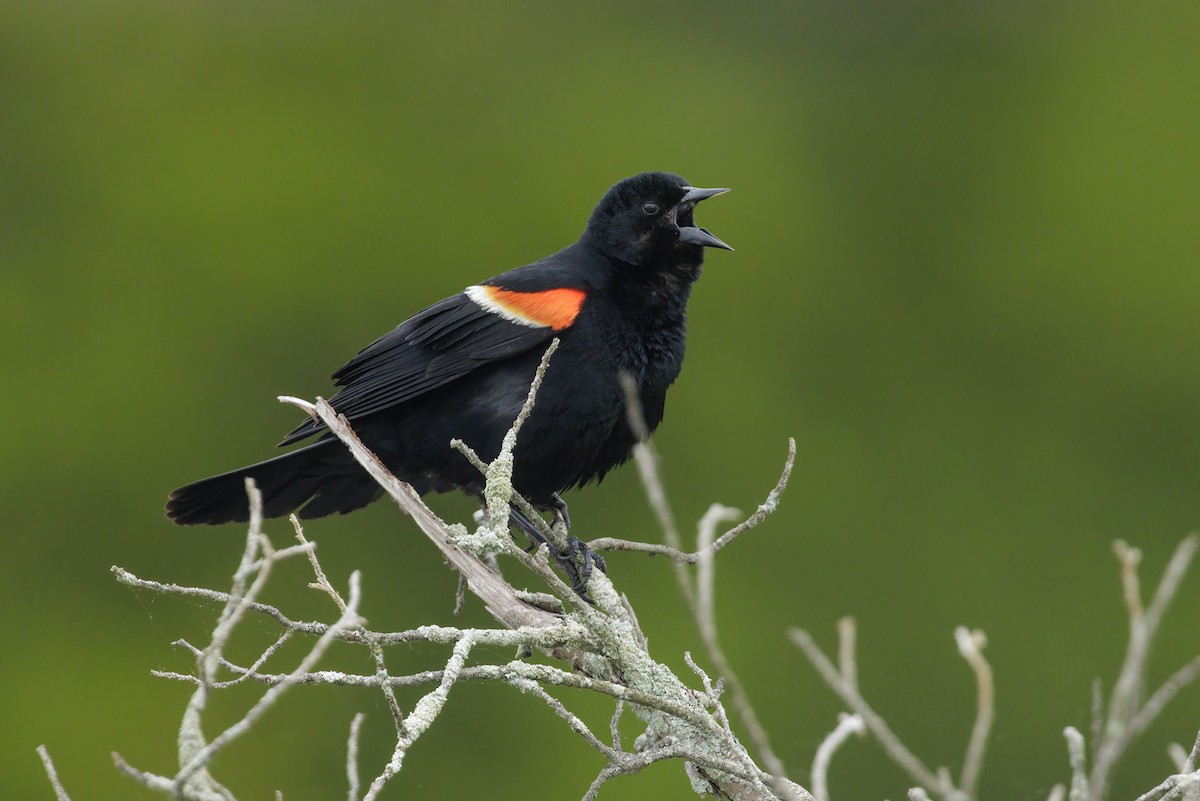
[617, 299]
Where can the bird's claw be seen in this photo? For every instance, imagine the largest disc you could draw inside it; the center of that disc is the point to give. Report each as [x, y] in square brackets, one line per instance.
[578, 572]
[560, 510]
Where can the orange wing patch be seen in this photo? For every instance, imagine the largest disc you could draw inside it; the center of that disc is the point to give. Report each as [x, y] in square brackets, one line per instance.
[550, 308]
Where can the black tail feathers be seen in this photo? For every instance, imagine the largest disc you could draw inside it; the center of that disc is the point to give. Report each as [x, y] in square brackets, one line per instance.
[322, 478]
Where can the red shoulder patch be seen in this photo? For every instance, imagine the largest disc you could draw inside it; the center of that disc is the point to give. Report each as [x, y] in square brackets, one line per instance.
[550, 308]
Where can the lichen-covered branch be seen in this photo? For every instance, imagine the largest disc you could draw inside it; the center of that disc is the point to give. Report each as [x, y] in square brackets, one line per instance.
[599, 647]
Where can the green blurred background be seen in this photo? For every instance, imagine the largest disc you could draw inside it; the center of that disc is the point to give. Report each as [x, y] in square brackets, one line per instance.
[966, 281]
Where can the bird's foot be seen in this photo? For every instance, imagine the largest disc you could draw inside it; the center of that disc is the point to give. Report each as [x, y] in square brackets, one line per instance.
[576, 559]
[579, 572]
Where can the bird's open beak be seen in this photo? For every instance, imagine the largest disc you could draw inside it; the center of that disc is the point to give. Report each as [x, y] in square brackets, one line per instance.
[690, 233]
[695, 195]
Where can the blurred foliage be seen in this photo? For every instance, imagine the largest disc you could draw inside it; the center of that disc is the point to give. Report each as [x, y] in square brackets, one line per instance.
[966, 282]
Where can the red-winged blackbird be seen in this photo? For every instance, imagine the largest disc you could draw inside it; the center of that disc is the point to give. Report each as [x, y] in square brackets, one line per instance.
[617, 300]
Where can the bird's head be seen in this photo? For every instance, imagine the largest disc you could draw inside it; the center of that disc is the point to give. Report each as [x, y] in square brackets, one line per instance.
[648, 221]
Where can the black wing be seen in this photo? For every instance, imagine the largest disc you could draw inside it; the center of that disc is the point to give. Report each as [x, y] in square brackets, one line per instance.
[432, 348]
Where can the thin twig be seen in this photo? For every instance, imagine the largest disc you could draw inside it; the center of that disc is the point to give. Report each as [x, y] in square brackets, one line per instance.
[544, 674]
[647, 462]
[160, 783]
[421, 717]
[245, 674]
[59, 791]
[847, 725]
[573, 721]
[970, 645]
[1075, 755]
[675, 552]
[607, 772]
[847, 631]
[706, 567]
[193, 779]
[498, 490]
[1184, 784]
[614, 725]
[1127, 715]
[322, 583]
[348, 619]
[1097, 714]
[352, 757]
[878, 727]
[705, 616]
[1163, 696]
[648, 467]
[1168, 586]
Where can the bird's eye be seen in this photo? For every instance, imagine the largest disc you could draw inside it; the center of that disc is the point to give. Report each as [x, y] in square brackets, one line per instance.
[650, 207]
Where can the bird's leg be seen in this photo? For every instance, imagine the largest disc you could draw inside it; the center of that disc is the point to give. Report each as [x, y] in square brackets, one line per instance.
[529, 529]
[574, 545]
[564, 556]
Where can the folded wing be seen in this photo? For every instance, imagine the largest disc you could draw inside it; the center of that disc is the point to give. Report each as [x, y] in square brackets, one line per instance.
[481, 325]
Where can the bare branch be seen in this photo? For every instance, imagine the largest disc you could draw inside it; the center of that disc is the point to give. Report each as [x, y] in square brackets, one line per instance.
[1163, 696]
[648, 468]
[850, 694]
[576, 725]
[1179, 756]
[193, 780]
[675, 552]
[847, 632]
[647, 462]
[599, 641]
[704, 612]
[1075, 755]
[245, 674]
[48, 764]
[1168, 587]
[1127, 715]
[421, 717]
[970, 645]
[847, 725]
[497, 595]
[516, 498]
[544, 674]
[322, 583]
[607, 772]
[706, 568]
[614, 726]
[352, 757]
[159, 783]
[348, 619]
[1183, 785]
[498, 491]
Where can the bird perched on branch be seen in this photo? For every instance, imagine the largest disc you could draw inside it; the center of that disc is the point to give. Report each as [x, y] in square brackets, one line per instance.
[617, 301]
